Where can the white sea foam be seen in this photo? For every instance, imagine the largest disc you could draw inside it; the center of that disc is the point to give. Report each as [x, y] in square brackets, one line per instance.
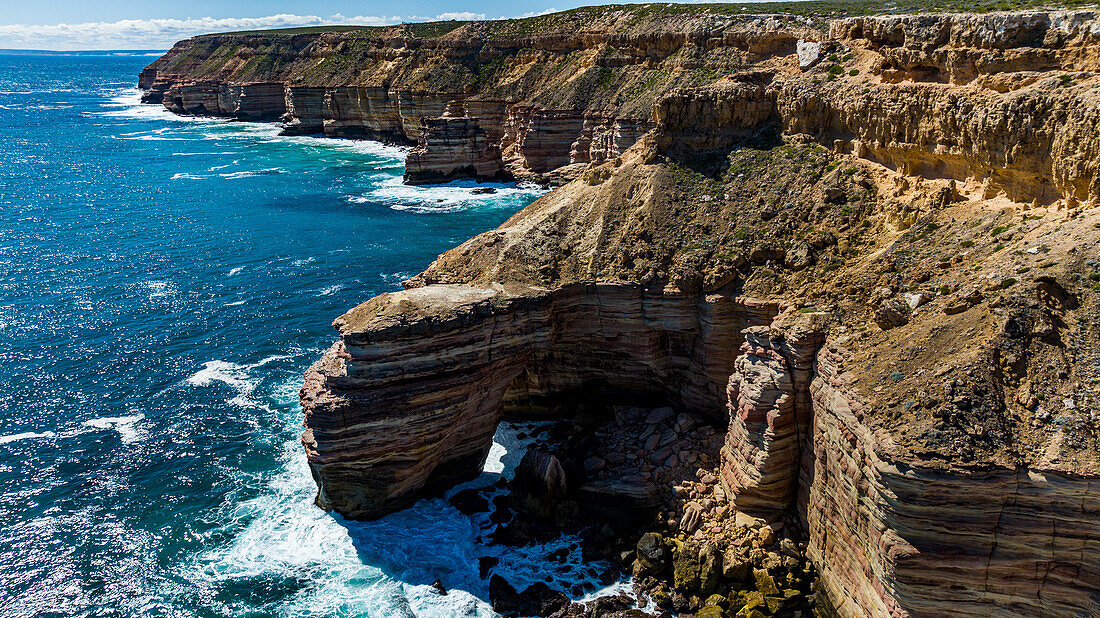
[202, 154]
[383, 567]
[26, 435]
[251, 173]
[225, 372]
[160, 289]
[126, 103]
[363, 147]
[236, 270]
[330, 290]
[450, 197]
[235, 303]
[156, 138]
[187, 176]
[395, 277]
[126, 426]
[236, 376]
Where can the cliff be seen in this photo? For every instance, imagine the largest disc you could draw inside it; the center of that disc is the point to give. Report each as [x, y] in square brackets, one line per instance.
[516, 98]
[865, 246]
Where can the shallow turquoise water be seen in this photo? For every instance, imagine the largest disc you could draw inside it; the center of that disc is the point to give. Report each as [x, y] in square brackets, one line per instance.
[163, 284]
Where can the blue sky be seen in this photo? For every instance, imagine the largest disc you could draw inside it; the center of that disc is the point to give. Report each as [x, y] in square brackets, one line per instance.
[147, 24]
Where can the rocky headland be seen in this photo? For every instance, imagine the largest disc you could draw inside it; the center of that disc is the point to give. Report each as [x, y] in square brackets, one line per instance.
[818, 294]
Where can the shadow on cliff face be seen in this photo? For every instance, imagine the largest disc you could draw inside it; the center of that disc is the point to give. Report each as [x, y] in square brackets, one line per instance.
[714, 164]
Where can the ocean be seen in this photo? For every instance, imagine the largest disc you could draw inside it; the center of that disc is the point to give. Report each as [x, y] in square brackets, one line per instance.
[164, 282]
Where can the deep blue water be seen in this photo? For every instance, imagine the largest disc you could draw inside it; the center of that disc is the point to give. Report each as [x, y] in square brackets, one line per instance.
[164, 282]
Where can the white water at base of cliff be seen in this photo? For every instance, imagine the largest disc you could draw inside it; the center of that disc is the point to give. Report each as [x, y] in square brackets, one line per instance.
[381, 568]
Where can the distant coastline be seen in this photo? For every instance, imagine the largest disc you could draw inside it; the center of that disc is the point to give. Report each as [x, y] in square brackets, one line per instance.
[92, 52]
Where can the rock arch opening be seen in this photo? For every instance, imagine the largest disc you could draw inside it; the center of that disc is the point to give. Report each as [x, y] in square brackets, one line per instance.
[407, 401]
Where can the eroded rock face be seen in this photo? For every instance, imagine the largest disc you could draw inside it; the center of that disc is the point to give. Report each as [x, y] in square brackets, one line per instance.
[770, 408]
[890, 534]
[248, 101]
[1002, 99]
[408, 400]
[894, 536]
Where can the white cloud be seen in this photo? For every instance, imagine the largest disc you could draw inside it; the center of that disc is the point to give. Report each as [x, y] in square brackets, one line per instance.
[533, 14]
[460, 16]
[159, 33]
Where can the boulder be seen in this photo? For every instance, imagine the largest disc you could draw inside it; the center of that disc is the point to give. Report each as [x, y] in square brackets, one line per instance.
[539, 484]
[659, 415]
[696, 568]
[809, 53]
[692, 519]
[652, 555]
[537, 600]
[892, 313]
[710, 611]
[735, 566]
[963, 301]
[765, 583]
[799, 256]
[916, 299]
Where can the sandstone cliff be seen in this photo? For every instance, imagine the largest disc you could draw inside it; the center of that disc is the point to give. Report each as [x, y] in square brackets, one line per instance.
[517, 98]
[867, 245]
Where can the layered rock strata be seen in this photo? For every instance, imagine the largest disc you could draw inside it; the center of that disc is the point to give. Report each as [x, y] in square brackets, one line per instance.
[913, 196]
[771, 412]
[541, 95]
[974, 98]
[891, 535]
[461, 357]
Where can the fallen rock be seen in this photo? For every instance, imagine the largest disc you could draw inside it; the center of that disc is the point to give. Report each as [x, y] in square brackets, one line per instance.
[892, 313]
[652, 556]
[594, 464]
[963, 301]
[744, 520]
[696, 568]
[710, 611]
[734, 565]
[799, 256]
[916, 299]
[537, 600]
[539, 484]
[809, 53]
[764, 582]
[469, 501]
[659, 415]
[692, 518]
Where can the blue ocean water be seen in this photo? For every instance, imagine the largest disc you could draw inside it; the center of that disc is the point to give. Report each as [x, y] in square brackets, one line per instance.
[164, 282]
